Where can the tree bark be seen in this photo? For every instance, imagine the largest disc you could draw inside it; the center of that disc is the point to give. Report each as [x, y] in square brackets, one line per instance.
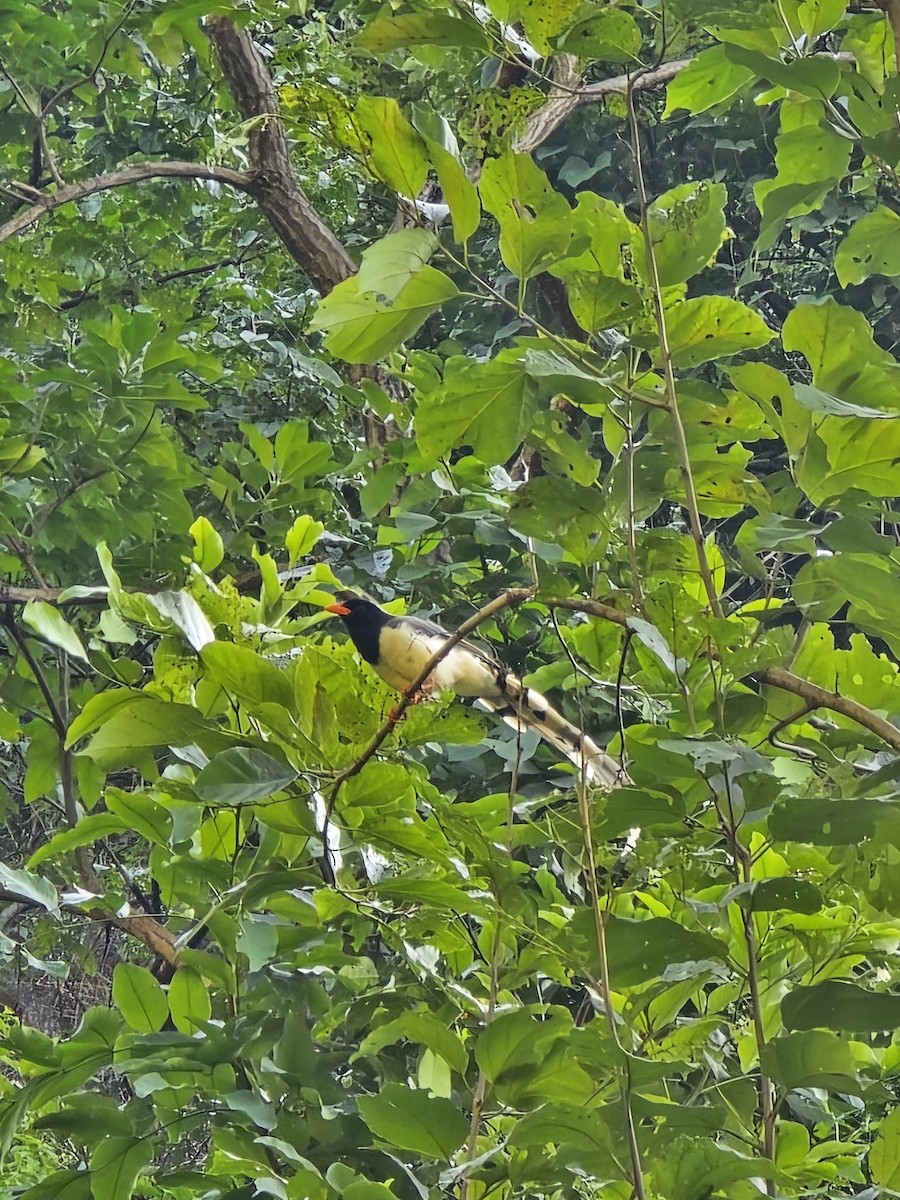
[273, 185]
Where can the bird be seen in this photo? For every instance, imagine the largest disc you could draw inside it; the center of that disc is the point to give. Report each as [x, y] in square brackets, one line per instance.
[399, 648]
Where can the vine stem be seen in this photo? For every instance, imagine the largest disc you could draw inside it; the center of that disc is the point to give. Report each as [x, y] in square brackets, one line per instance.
[741, 868]
[665, 353]
[623, 1073]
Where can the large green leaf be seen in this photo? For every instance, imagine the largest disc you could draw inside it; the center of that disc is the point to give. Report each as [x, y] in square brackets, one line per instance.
[815, 1058]
[409, 1119]
[242, 775]
[398, 154]
[846, 1007]
[139, 998]
[710, 327]
[115, 1166]
[486, 406]
[535, 222]
[687, 227]
[872, 247]
[363, 325]
[846, 361]
[611, 34]
[49, 623]
[710, 78]
[387, 33]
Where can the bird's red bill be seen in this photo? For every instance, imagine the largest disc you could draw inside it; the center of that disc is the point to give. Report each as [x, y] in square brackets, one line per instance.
[340, 610]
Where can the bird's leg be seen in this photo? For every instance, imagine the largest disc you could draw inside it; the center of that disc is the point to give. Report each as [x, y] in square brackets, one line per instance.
[421, 693]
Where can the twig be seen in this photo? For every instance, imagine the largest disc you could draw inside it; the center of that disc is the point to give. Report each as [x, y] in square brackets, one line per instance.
[506, 599]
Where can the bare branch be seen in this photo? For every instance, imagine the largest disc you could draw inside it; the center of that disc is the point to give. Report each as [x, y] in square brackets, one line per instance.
[136, 173]
[566, 95]
[786, 681]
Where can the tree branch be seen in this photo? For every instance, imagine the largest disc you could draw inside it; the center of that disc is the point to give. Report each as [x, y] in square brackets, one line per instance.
[566, 95]
[136, 173]
[785, 681]
[275, 188]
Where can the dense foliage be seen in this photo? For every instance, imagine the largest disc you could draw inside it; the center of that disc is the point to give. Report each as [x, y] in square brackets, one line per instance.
[576, 317]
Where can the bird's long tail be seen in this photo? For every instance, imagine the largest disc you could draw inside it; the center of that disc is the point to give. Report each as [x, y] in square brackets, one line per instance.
[523, 707]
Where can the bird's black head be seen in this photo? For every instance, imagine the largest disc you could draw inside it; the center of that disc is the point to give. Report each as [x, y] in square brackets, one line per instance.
[363, 618]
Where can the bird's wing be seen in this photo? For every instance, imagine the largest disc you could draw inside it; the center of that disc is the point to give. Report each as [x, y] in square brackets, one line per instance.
[407, 643]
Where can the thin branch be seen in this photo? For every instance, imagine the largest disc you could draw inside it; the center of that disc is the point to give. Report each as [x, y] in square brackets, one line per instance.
[21, 641]
[665, 354]
[785, 681]
[136, 173]
[623, 1074]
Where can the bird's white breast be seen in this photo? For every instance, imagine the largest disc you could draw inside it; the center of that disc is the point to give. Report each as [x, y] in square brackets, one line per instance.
[405, 651]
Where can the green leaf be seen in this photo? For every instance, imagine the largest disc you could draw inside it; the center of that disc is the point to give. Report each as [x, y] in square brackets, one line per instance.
[690, 1167]
[687, 227]
[828, 822]
[710, 78]
[412, 1120]
[458, 190]
[185, 615]
[710, 327]
[209, 549]
[563, 1125]
[543, 22]
[814, 1058]
[518, 1039]
[242, 775]
[640, 950]
[816, 401]
[597, 301]
[29, 887]
[793, 895]
[189, 1001]
[819, 16]
[49, 623]
[612, 35]
[872, 247]
[302, 537]
[817, 76]
[884, 1155]
[810, 160]
[398, 155]
[139, 998]
[140, 813]
[535, 221]
[361, 320]
[846, 362]
[89, 829]
[143, 721]
[843, 1006]
[246, 676]
[486, 406]
[116, 1164]
[424, 1028]
[384, 34]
